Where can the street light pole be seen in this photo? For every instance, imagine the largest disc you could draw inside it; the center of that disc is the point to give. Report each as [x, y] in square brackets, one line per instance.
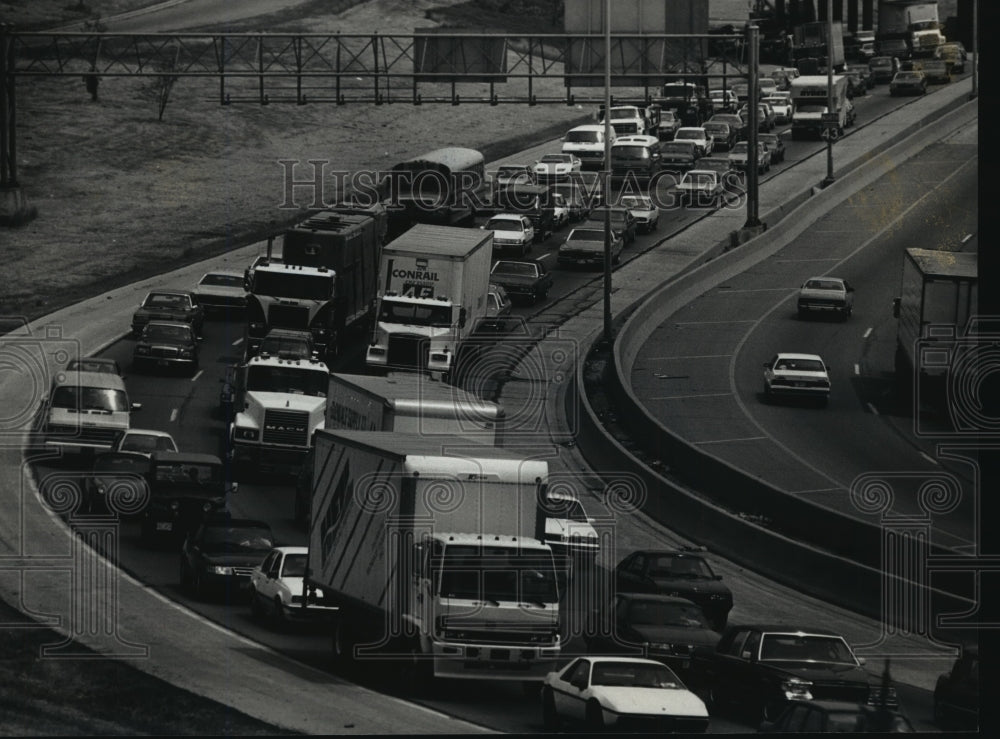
[606, 174]
[975, 49]
[829, 94]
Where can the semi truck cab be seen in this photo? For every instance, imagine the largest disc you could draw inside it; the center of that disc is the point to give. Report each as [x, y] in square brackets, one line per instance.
[415, 333]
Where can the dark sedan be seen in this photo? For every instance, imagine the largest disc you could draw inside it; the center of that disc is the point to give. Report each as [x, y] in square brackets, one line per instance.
[908, 83]
[669, 630]
[522, 278]
[722, 134]
[774, 145]
[680, 573]
[166, 345]
[221, 554]
[184, 488]
[622, 221]
[837, 717]
[180, 306]
[763, 668]
[678, 156]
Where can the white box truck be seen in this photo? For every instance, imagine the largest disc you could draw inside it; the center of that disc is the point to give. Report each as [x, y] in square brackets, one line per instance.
[810, 105]
[431, 548]
[433, 283]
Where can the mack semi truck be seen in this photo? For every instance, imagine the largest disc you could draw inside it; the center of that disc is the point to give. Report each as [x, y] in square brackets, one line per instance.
[433, 282]
[323, 281]
[432, 550]
[915, 22]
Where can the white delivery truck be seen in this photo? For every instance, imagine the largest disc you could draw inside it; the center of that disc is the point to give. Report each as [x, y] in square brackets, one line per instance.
[810, 105]
[433, 283]
[431, 548]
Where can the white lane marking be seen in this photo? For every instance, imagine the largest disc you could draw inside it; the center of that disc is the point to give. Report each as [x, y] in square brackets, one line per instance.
[237, 342]
[818, 259]
[173, 415]
[759, 290]
[930, 459]
[197, 375]
[726, 441]
[873, 409]
[702, 395]
[867, 333]
[691, 356]
[966, 238]
[857, 370]
[707, 323]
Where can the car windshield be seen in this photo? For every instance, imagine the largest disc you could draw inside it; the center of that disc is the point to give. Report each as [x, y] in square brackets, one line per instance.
[237, 538]
[510, 171]
[659, 613]
[287, 347]
[288, 380]
[504, 224]
[165, 332]
[767, 138]
[294, 565]
[496, 574]
[671, 565]
[176, 302]
[824, 285]
[630, 152]
[147, 443]
[515, 268]
[583, 137]
[805, 648]
[554, 159]
[90, 399]
[635, 675]
[415, 314]
[676, 149]
[739, 148]
[800, 365]
[222, 280]
[701, 179]
[690, 135]
[636, 202]
[907, 76]
[586, 234]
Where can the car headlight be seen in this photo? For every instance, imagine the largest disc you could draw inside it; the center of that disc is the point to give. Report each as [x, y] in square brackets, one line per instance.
[142, 349]
[221, 570]
[247, 434]
[186, 353]
[797, 689]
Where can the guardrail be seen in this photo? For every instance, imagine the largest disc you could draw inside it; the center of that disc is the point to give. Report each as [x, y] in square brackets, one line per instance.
[839, 558]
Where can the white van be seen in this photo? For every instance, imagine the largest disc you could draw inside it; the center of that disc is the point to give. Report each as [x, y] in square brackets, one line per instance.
[86, 412]
[587, 142]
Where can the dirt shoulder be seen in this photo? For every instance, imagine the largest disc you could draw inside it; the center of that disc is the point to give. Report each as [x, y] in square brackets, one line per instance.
[122, 195]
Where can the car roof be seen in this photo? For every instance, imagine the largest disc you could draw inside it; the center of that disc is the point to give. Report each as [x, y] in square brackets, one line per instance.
[189, 457]
[104, 380]
[690, 128]
[516, 216]
[674, 552]
[561, 495]
[589, 127]
[637, 660]
[636, 139]
[148, 432]
[770, 628]
[794, 355]
[186, 293]
[701, 171]
[224, 273]
[291, 550]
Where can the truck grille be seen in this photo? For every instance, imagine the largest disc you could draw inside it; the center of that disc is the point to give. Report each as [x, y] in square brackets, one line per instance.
[408, 351]
[290, 428]
[288, 316]
[93, 435]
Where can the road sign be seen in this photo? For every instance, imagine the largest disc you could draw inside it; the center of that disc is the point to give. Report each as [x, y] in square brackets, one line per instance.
[830, 119]
[830, 134]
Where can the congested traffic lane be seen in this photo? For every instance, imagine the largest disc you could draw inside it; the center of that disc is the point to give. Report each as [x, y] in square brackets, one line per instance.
[166, 395]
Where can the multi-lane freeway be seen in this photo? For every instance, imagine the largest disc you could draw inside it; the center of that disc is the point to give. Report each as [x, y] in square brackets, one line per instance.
[188, 408]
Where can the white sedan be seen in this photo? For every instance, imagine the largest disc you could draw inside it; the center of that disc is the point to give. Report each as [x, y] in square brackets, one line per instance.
[703, 140]
[276, 589]
[221, 290]
[646, 214]
[802, 375]
[624, 693]
[556, 166]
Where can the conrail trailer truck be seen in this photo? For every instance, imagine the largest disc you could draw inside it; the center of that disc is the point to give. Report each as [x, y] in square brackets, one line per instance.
[433, 283]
